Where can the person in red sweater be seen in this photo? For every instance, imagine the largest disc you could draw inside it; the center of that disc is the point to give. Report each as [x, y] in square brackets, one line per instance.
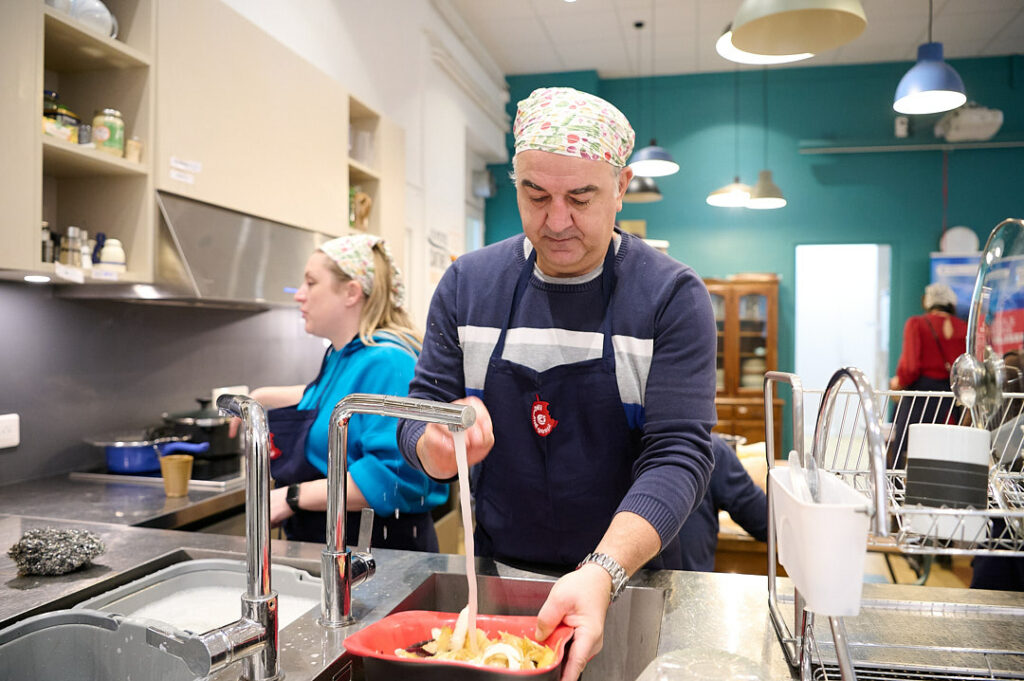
[931, 343]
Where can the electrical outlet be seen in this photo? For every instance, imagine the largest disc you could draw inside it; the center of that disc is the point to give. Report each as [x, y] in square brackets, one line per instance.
[10, 430]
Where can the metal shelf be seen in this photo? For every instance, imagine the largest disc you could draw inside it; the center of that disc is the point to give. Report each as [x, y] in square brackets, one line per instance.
[885, 146]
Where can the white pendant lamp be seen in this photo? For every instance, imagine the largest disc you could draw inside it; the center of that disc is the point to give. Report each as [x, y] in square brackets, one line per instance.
[765, 195]
[642, 190]
[733, 195]
[726, 49]
[795, 26]
[931, 85]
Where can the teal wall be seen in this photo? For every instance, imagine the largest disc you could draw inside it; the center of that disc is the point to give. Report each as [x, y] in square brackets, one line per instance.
[886, 198]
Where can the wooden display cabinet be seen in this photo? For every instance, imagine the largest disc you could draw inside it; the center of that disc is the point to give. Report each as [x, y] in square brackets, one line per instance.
[746, 313]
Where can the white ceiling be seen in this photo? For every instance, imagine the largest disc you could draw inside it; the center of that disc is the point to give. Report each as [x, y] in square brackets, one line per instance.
[538, 36]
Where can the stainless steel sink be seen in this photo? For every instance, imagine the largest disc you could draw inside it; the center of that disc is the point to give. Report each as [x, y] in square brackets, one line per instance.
[632, 628]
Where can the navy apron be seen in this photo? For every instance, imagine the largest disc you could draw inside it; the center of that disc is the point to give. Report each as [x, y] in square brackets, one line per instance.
[564, 456]
[289, 431]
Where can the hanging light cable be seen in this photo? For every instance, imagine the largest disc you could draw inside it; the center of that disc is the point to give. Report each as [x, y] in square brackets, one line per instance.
[641, 189]
[652, 160]
[931, 85]
[765, 195]
[735, 194]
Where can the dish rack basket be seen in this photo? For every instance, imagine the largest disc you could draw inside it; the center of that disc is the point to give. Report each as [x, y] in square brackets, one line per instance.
[902, 632]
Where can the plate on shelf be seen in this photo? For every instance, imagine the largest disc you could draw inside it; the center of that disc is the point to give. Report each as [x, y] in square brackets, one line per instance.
[959, 240]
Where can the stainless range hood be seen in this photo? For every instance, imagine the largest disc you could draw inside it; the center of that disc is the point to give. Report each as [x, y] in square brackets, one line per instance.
[215, 257]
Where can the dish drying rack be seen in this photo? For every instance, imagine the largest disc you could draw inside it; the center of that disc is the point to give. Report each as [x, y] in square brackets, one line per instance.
[964, 635]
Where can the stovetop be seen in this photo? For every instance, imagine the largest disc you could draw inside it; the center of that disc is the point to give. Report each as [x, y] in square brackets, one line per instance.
[215, 473]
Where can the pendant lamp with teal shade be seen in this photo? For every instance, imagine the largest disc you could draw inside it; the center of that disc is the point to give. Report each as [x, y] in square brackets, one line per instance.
[931, 85]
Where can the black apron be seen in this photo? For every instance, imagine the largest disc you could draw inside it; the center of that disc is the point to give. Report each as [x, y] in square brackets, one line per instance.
[563, 453]
[289, 431]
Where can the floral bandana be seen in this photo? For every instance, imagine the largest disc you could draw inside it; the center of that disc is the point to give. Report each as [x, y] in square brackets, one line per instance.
[354, 256]
[565, 121]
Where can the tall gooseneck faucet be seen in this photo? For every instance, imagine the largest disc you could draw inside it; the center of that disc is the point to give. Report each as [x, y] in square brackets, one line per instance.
[254, 637]
[342, 569]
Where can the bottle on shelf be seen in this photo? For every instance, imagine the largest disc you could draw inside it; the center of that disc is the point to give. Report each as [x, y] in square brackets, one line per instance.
[74, 248]
[85, 255]
[112, 256]
[46, 243]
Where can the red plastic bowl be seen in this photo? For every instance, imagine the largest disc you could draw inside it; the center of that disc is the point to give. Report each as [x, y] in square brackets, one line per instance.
[376, 644]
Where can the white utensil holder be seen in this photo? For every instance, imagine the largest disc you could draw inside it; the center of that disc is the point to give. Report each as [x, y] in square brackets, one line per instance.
[822, 546]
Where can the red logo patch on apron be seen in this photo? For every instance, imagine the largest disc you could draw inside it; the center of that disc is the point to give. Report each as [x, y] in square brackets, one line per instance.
[275, 453]
[543, 424]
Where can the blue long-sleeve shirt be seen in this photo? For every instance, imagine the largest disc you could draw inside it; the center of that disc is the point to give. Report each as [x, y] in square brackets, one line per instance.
[731, 490]
[664, 339]
[387, 482]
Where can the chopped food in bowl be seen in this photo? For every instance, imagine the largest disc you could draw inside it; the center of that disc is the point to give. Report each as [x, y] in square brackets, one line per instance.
[420, 644]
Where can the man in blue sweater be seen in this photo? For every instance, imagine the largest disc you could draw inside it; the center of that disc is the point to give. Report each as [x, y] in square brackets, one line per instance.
[590, 359]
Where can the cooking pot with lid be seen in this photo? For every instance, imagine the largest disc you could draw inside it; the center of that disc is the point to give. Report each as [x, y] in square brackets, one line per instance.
[205, 424]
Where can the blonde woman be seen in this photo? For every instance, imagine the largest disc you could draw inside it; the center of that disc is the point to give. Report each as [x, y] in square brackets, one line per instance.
[352, 294]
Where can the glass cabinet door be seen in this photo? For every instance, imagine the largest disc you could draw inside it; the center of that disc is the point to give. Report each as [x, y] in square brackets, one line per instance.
[718, 304]
[753, 313]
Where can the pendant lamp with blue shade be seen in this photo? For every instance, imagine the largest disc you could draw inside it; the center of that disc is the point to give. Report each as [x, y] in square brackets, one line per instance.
[931, 85]
[652, 160]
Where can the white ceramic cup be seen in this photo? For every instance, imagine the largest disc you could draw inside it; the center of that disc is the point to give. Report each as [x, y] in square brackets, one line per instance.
[947, 467]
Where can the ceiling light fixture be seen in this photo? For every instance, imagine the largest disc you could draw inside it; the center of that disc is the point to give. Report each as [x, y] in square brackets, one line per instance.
[765, 195]
[736, 194]
[652, 160]
[726, 49]
[931, 85]
[642, 190]
[795, 26]
[37, 279]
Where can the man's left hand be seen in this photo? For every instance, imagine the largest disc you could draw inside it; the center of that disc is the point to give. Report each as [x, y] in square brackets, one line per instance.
[580, 599]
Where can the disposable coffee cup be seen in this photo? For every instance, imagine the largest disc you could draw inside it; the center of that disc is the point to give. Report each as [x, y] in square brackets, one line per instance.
[947, 467]
[176, 470]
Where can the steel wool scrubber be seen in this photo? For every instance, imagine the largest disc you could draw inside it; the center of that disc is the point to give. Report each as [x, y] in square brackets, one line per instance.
[50, 551]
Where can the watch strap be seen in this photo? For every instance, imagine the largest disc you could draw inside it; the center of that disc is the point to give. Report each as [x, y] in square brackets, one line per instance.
[291, 498]
[616, 571]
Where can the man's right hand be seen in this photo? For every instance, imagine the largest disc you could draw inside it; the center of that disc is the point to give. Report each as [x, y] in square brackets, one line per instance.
[436, 449]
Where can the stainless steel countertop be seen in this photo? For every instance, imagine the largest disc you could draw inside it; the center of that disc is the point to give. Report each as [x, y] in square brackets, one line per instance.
[61, 498]
[719, 611]
[709, 611]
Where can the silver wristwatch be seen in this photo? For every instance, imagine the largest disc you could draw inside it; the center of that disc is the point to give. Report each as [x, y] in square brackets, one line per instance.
[619, 576]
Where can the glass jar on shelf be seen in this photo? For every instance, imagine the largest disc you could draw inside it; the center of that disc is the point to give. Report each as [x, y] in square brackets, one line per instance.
[108, 132]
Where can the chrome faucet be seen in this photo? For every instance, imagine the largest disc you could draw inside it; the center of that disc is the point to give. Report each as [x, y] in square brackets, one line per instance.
[253, 638]
[341, 568]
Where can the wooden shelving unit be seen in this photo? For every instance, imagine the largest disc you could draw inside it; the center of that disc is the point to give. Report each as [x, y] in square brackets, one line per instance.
[48, 178]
